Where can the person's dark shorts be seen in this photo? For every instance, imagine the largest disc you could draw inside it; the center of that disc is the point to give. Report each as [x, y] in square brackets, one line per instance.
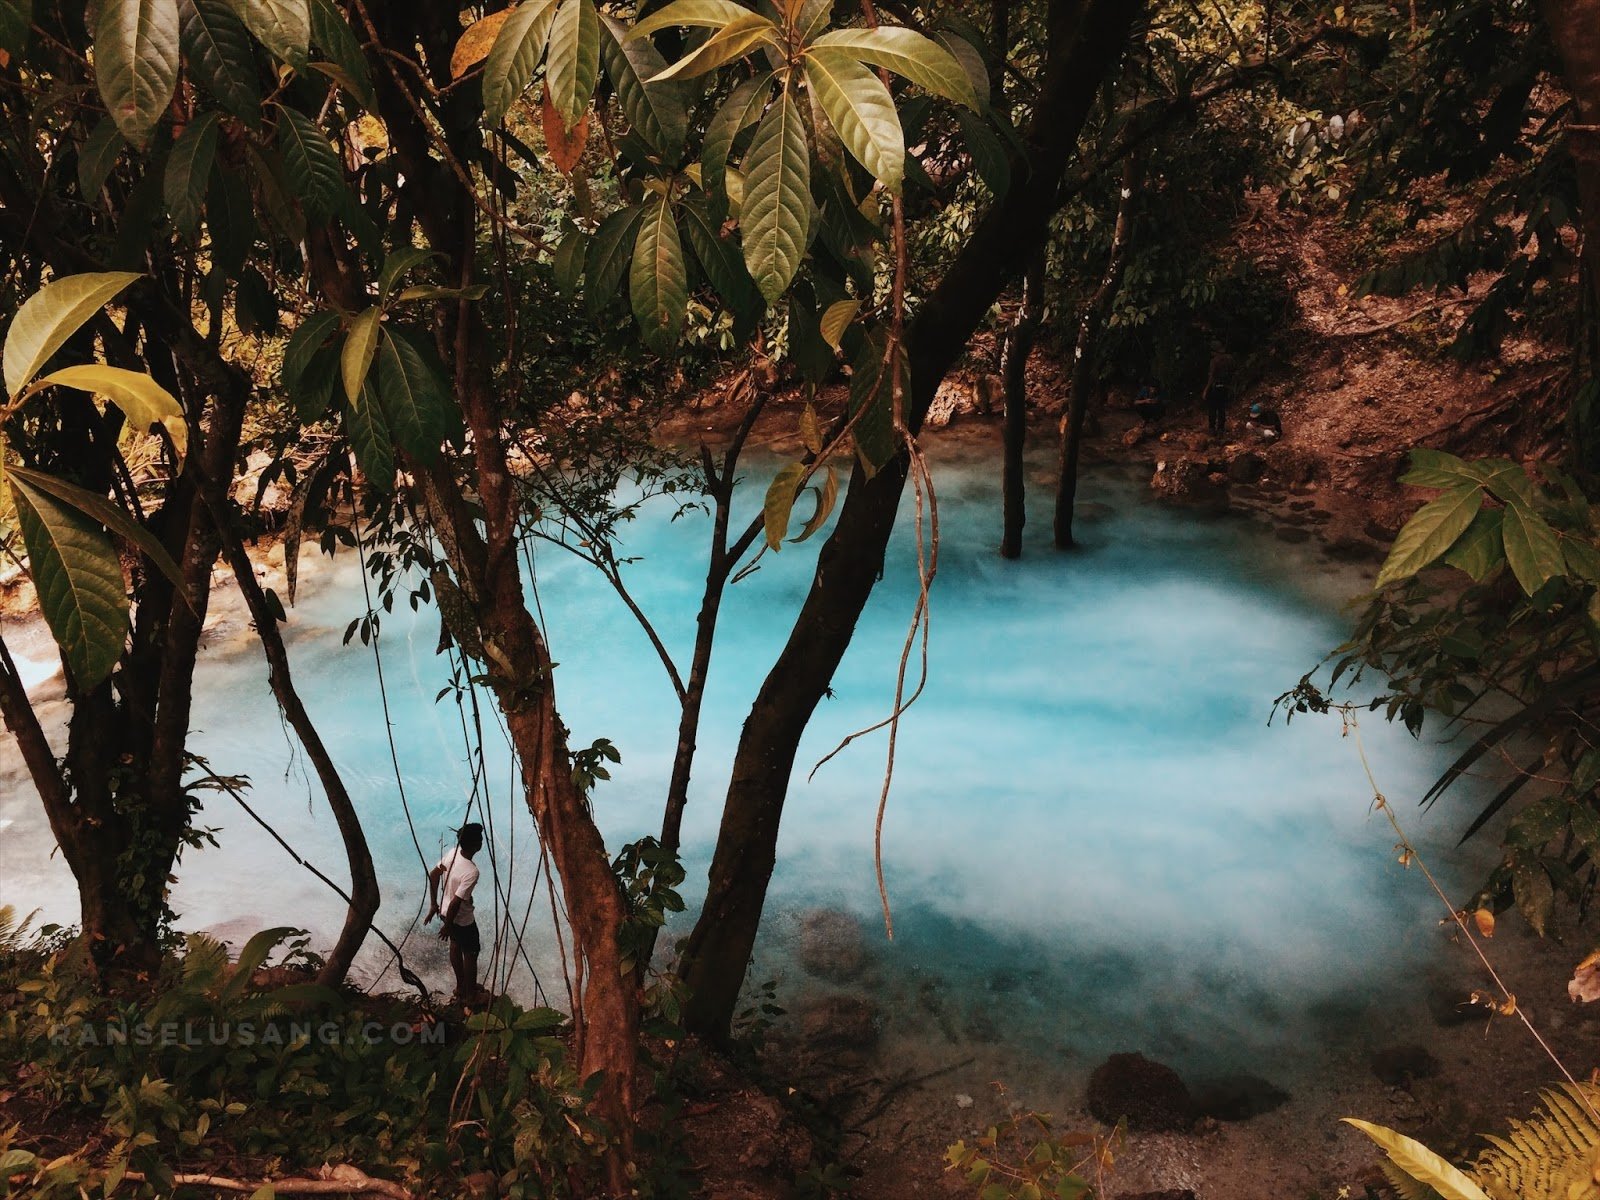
[466, 936]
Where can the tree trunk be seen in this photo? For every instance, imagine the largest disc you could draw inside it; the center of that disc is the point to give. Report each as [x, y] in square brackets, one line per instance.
[1575, 28]
[1014, 374]
[1085, 40]
[1085, 356]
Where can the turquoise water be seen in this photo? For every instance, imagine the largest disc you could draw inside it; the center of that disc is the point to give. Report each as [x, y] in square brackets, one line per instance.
[1094, 841]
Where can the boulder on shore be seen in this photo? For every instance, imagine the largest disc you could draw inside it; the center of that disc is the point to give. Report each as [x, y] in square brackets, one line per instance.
[831, 945]
[1151, 1095]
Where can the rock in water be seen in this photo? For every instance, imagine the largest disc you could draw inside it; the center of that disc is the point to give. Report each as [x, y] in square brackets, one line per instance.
[831, 945]
[1151, 1095]
[1237, 1097]
[1400, 1065]
[840, 1022]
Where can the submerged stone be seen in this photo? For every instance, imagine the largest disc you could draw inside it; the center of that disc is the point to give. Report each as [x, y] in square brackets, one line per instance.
[1237, 1097]
[831, 945]
[1151, 1095]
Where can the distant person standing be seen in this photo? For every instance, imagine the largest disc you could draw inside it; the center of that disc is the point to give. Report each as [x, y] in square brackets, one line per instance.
[1218, 390]
[452, 882]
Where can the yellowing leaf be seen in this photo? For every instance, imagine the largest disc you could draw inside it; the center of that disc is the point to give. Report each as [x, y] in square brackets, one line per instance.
[475, 44]
[148, 405]
[1484, 920]
[51, 315]
[355, 360]
[1422, 1164]
[780, 502]
[836, 319]
[565, 145]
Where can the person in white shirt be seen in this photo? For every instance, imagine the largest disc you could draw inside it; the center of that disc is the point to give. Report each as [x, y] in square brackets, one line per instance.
[451, 883]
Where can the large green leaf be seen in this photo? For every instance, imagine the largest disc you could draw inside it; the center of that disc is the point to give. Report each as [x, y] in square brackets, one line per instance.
[188, 173]
[230, 219]
[1422, 1164]
[988, 152]
[658, 284]
[705, 14]
[739, 111]
[309, 337]
[311, 167]
[573, 62]
[78, 576]
[907, 53]
[1430, 532]
[371, 440]
[720, 259]
[146, 403]
[964, 42]
[319, 382]
[332, 35]
[282, 26]
[1532, 548]
[97, 158]
[658, 111]
[16, 18]
[610, 255]
[1481, 549]
[777, 199]
[515, 56]
[569, 260]
[221, 58]
[136, 62]
[109, 515]
[360, 347]
[734, 40]
[50, 316]
[415, 399]
[1436, 469]
[861, 112]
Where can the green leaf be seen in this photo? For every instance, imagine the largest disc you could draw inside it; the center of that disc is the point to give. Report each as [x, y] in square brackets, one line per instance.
[415, 399]
[221, 59]
[872, 402]
[907, 53]
[309, 337]
[230, 219]
[252, 956]
[734, 40]
[610, 255]
[97, 158]
[282, 26]
[16, 18]
[360, 345]
[1534, 894]
[658, 284]
[78, 577]
[967, 50]
[311, 167]
[50, 316]
[741, 109]
[1422, 1164]
[515, 56]
[1532, 548]
[568, 265]
[332, 34]
[573, 64]
[861, 112]
[318, 383]
[1480, 549]
[136, 62]
[777, 202]
[109, 515]
[1583, 558]
[370, 439]
[658, 111]
[147, 404]
[781, 493]
[1429, 533]
[1436, 469]
[705, 14]
[188, 173]
[987, 150]
[431, 291]
[721, 261]
[399, 264]
[836, 319]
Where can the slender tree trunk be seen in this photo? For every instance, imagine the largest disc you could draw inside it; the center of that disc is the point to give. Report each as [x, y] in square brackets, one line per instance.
[1019, 341]
[1575, 29]
[1085, 41]
[1085, 355]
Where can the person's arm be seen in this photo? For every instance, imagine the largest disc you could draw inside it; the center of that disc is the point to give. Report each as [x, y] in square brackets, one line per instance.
[433, 892]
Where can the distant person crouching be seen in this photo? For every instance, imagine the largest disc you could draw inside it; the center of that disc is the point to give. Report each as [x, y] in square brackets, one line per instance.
[1148, 404]
[1264, 423]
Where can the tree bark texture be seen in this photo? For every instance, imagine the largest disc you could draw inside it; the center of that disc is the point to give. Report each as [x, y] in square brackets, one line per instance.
[1085, 354]
[1019, 342]
[1085, 40]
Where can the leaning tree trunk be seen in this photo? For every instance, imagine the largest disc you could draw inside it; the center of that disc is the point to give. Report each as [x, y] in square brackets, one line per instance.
[1085, 356]
[1085, 41]
[1019, 341]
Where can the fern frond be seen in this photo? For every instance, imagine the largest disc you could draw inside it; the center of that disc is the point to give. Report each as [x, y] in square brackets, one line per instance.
[1552, 1155]
[1404, 1185]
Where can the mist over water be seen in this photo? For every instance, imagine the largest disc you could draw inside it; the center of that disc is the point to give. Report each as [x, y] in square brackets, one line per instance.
[1094, 840]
